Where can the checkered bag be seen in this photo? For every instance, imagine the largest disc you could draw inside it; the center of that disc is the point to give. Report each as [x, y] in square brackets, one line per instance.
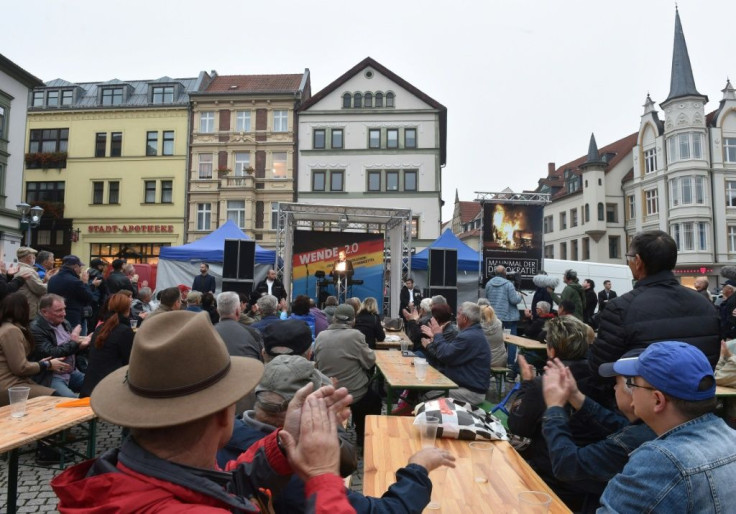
[460, 420]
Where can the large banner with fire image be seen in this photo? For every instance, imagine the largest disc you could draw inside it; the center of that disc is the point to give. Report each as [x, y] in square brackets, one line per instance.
[316, 253]
[512, 237]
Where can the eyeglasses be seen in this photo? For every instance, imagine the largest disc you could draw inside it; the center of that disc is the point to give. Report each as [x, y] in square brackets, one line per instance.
[631, 256]
[630, 383]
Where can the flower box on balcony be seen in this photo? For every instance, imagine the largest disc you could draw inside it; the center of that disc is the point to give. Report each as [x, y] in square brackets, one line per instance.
[45, 160]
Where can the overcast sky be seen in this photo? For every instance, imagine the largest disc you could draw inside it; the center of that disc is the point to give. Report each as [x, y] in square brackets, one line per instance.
[525, 82]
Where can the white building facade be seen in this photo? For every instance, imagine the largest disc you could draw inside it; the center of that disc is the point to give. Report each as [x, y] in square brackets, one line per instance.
[371, 139]
[684, 173]
[15, 84]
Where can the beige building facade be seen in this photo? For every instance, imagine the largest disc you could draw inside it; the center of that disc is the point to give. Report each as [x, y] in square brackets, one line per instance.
[243, 153]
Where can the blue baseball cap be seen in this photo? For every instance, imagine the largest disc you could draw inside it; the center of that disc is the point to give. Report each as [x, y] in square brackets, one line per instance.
[673, 367]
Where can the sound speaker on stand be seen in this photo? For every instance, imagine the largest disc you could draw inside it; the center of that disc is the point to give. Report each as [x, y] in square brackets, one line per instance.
[239, 265]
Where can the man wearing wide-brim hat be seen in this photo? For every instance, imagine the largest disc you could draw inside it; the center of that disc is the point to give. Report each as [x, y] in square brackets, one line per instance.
[178, 397]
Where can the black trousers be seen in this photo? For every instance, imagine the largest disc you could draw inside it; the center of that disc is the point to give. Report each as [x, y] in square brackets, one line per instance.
[369, 404]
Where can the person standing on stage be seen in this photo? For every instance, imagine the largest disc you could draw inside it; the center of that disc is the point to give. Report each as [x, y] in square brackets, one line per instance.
[409, 295]
[270, 285]
[204, 282]
[342, 267]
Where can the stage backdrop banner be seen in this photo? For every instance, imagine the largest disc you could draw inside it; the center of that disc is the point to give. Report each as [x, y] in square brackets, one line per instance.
[512, 237]
[317, 251]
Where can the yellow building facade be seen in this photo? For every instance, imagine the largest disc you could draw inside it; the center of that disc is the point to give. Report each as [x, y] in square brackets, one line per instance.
[114, 184]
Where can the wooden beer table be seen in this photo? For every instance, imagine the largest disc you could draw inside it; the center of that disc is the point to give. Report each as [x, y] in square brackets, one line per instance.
[42, 419]
[724, 391]
[391, 440]
[524, 342]
[385, 345]
[399, 374]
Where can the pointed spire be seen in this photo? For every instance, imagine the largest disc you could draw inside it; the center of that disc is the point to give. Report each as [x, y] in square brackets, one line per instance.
[649, 105]
[594, 158]
[729, 93]
[682, 82]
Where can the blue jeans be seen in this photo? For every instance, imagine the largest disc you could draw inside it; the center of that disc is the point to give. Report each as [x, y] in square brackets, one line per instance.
[70, 389]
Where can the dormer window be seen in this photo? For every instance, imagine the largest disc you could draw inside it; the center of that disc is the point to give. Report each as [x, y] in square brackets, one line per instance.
[37, 99]
[112, 96]
[67, 97]
[572, 181]
[162, 94]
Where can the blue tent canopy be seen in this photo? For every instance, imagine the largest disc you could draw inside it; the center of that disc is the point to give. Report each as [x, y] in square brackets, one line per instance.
[211, 247]
[467, 258]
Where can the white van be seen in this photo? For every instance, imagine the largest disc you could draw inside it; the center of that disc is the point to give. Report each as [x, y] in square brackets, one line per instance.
[619, 274]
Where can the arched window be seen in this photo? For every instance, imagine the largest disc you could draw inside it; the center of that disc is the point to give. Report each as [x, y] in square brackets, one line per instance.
[368, 100]
[357, 101]
[389, 99]
[379, 99]
[601, 212]
[586, 216]
[346, 101]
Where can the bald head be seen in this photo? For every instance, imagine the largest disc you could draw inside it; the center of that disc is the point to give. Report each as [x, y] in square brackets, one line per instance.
[500, 270]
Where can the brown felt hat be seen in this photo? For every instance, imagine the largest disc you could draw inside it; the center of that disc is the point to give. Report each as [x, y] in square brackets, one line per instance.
[179, 371]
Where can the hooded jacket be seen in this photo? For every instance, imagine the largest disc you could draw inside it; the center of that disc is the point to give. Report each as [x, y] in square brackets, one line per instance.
[133, 480]
[574, 292]
[504, 298]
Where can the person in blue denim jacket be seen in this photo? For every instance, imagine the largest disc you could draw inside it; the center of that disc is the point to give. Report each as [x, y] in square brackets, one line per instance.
[691, 465]
[590, 467]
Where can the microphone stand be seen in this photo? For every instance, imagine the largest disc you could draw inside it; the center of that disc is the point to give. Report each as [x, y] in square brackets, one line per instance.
[306, 279]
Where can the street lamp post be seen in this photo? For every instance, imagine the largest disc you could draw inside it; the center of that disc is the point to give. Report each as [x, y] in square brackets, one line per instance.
[31, 216]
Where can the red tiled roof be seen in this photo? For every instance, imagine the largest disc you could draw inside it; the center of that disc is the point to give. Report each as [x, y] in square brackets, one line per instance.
[619, 148]
[468, 211]
[254, 83]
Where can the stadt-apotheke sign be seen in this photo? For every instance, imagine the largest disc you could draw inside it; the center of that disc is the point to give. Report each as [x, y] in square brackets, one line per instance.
[131, 228]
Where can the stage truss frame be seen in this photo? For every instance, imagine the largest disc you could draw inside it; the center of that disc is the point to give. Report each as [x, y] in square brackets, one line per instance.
[394, 223]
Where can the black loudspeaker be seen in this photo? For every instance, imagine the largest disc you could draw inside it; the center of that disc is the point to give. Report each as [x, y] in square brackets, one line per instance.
[442, 267]
[450, 294]
[239, 286]
[240, 259]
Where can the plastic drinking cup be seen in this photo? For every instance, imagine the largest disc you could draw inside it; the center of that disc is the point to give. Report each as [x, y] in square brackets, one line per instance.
[420, 368]
[18, 396]
[534, 502]
[133, 324]
[481, 453]
[428, 431]
[404, 346]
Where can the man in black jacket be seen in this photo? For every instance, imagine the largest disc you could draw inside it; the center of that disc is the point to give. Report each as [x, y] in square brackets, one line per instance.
[75, 290]
[270, 285]
[605, 295]
[117, 280]
[657, 309]
[204, 282]
[409, 295]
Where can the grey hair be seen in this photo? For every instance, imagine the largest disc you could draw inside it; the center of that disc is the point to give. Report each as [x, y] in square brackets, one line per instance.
[545, 306]
[471, 311]
[144, 291]
[568, 336]
[438, 300]
[267, 304]
[426, 304]
[227, 303]
[483, 301]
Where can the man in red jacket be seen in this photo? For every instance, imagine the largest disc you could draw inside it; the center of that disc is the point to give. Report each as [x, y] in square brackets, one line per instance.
[178, 397]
